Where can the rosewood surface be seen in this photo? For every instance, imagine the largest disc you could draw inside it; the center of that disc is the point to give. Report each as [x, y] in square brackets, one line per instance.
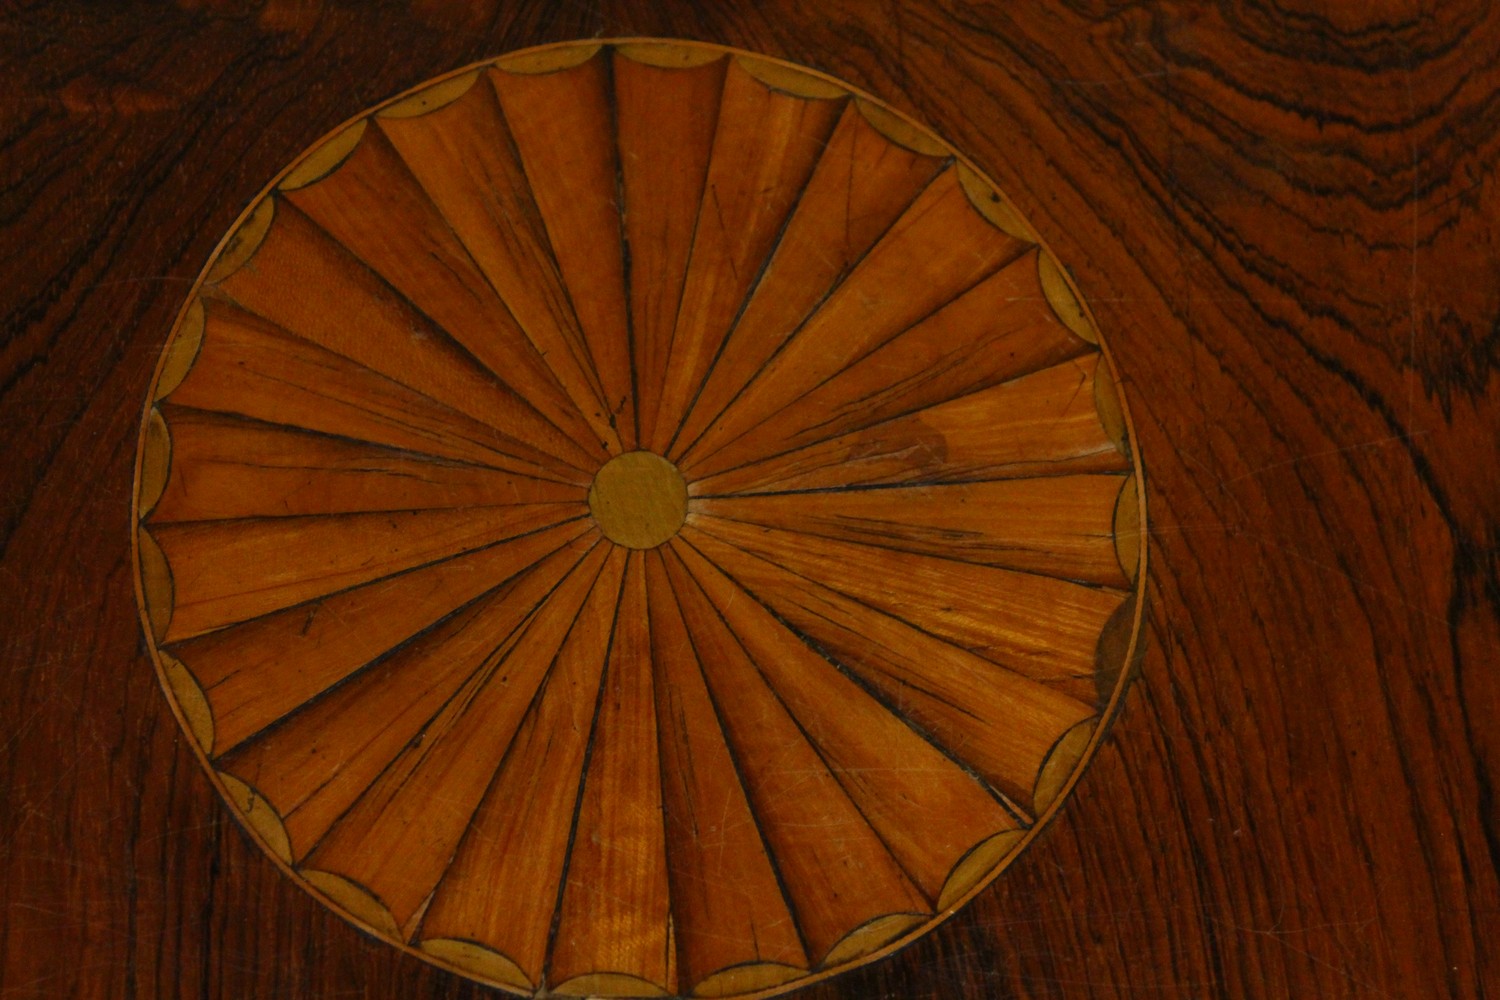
[1285, 219]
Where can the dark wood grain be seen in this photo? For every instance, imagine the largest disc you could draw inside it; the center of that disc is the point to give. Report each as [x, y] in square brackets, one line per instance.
[1287, 223]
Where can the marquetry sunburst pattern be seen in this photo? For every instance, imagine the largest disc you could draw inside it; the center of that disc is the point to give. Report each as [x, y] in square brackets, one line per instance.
[638, 519]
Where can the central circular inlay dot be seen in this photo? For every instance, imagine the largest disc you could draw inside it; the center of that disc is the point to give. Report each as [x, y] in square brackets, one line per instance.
[638, 499]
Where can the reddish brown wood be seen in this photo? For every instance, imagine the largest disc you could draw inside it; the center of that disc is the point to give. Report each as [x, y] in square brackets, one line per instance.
[1061, 529]
[563, 125]
[463, 157]
[837, 219]
[666, 120]
[766, 147]
[1284, 221]
[518, 844]
[618, 870]
[999, 722]
[424, 258]
[961, 440]
[938, 248]
[393, 840]
[731, 910]
[819, 837]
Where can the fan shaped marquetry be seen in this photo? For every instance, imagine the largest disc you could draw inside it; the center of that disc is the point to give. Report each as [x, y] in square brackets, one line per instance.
[639, 519]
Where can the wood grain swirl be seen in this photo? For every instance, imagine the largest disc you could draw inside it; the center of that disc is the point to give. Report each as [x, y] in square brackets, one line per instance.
[1283, 217]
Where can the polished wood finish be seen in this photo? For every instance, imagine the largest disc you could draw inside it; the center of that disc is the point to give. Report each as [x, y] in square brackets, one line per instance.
[473, 763]
[1282, 220]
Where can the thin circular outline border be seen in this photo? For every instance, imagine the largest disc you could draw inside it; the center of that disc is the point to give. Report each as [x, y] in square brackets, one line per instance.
[1107, 715]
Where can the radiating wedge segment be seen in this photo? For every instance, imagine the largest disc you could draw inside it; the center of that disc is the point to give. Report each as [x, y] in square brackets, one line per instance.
[466, 160]
[401, 834]
[839, 216]
[859, 738]
[232, 571]
[998, 722]
[666, 120]
[1058, 526]
[1035, 625]
[727, 907]
[420, 250]
[765, 147]
[617, 869]
[358, 315]
[938, 249]
[563, 125]
[257, 672]
[837, 872]
[990, 334]
[252, 368]
[1043, 424]
[501, 889]
[230, 467]
[315, 762]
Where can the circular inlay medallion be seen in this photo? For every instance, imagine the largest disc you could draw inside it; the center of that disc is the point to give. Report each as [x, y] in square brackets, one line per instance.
[638, 499]
[639, 519]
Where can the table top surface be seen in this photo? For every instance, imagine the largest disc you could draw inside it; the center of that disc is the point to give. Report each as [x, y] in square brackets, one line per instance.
[1281, 223]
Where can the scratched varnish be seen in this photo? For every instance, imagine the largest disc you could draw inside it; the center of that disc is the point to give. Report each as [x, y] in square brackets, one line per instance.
[639, 519]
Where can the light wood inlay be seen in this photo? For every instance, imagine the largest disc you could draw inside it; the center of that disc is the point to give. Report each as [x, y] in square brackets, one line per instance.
[638, 500]
[640, 520]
